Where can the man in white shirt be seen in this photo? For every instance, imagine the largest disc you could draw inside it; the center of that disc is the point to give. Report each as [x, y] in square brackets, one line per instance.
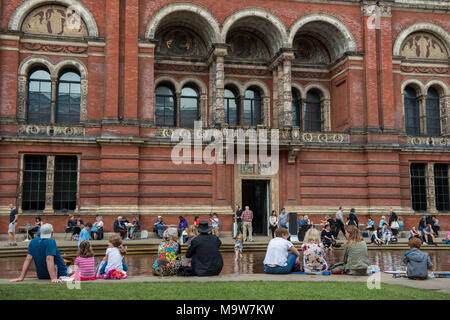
[340, 222]
[281, 254]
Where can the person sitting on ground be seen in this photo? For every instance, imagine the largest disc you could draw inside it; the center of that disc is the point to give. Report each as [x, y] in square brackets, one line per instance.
[71, 223]
[428, 235]
[417, 262]
[168, 261]
[85, 234]
[77, 229]
[192, 233]
[99, 225]
[204, 251]
[313, 253]
[356, 257]
[400, 224]
[377, 237]
[370, 225]
[183, 224]
[333, 224]
[113, 259]
[47, 259]
[422, 224]
[196, 220]
[119, 226]
[413, 233]
[281, 254]
[37, 226]
[215, 222]
[447, 238]
[159, 227]
[392, 217]
[352, 219]
[327, 237]
[84, 267]
[382, 222]
[135, 227]
[435, 226]
[386, 234]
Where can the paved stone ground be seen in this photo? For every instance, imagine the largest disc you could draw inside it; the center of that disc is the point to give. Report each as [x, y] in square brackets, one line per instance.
[442, 285]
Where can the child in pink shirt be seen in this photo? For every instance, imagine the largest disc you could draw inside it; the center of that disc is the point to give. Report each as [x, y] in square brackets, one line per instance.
[85, 263]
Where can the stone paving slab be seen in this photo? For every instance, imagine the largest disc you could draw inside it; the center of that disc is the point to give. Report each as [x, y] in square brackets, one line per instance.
[442, 285]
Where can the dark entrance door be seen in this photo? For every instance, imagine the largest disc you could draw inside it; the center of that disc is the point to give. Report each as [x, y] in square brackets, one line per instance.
[254, 195]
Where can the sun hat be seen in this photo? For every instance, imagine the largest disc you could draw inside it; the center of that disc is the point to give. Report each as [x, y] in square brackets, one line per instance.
[203, 227]
[46, 231]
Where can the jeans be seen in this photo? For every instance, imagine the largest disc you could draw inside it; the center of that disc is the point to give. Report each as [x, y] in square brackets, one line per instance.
[446, 241]
[291, 258]
[103, 269]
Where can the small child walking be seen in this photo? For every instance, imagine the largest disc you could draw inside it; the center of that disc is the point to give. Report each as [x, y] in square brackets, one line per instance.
[417, 262]
[84, 267]
[114, 256]
[238, 247]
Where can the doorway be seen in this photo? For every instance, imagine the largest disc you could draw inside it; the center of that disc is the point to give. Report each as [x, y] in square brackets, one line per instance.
[255, 194]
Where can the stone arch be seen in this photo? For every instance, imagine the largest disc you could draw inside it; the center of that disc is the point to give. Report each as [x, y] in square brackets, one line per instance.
[344, 41]
[416, 84]
[300, 89]
[237, 84]
[272, 26]
[325, 94]
[433, 28]
[75, 63]
[168, 79]
[440, 85]
[21, 11]
[257, 83]
[207, 21]
[33, 61]
[265, 112]
[199, 83]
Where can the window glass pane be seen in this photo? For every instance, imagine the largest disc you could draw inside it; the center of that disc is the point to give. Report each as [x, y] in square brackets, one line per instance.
[313, 116]
[441, 185]
[40, 75]
[231, 108]
[252, 108]
[188, 111]
[412, 115]
[433, 113]
[70, 76]
[34, 183]
[296, 112]
[189, 92]
[69, 99]
[164, 91]
[418, 187]
[165, 107]
[65, 187]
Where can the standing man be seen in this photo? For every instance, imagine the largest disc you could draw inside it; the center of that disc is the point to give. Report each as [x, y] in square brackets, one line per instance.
[340, 222]
[247, 218]
[283, 219]
[47, 259]
[13, 216]
[238, 218]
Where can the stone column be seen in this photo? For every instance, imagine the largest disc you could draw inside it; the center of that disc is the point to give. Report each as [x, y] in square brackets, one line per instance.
[275, 98]
[49, 184]
[22, 99]
[445, 115]
[423, 114]
[217, 62]
[325, 109]
[178, 108]
[431, 195]
[53, 105]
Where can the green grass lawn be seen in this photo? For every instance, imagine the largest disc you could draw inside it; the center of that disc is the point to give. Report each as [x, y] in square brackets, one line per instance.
[217, 290]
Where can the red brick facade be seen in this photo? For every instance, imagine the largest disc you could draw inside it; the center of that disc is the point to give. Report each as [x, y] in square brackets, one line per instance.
[362, 158]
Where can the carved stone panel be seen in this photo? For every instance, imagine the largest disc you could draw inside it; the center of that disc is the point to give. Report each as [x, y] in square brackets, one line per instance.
[54, 20]
[180, 42]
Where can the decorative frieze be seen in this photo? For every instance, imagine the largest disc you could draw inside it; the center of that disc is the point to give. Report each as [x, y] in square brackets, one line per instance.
[428, 141]
[418, 69]
[431, 195]
[50, 131]
[54, 48]
[50, 177]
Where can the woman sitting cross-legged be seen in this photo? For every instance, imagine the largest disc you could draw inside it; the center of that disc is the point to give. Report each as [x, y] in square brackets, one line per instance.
[169, 260]
[314, 253]
[356, 257]
[281, 254]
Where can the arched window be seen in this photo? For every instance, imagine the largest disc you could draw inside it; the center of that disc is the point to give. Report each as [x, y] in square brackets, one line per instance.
[69, 98]
[296, 109]
[252, 107]
[39, 96]
[189, 107]
[433, 115]
[313, 115]
[231, 106]
[412, 113]
[165, 106]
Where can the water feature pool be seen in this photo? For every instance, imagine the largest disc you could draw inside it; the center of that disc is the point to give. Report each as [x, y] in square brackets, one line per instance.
[252, 262]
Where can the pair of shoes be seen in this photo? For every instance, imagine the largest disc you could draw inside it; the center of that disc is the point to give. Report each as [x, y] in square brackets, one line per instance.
[14, 244]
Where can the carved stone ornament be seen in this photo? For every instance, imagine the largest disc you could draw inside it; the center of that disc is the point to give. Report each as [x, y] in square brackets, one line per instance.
[264, 168]
[247, 168]
[423, 45]
[50, 131]
[428, 141]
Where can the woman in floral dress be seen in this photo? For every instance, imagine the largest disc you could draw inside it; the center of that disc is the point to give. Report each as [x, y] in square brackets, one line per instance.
[168, 260]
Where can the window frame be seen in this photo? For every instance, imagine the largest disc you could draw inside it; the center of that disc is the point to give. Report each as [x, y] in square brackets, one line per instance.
[29, 80]
[59, 82]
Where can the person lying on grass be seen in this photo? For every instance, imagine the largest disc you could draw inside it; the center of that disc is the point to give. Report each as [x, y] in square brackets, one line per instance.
[47, 259]
[417, 262]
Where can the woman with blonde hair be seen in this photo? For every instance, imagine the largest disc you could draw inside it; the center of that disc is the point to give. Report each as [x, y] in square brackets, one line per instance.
[356, 257]
[313, 253]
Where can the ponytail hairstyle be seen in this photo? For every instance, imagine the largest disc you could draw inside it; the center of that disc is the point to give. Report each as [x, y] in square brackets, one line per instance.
[85, 250]
[116, 241]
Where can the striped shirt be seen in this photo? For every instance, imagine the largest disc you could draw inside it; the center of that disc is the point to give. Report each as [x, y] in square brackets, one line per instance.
[86, 267]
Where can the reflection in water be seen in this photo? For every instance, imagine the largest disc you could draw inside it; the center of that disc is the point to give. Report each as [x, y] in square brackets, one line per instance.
[252, 262]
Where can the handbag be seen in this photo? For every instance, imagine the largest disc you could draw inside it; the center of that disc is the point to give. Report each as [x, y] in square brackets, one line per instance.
[394, 225]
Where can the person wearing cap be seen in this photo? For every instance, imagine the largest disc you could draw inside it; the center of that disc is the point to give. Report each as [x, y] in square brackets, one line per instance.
[204, 251]
[45, 254]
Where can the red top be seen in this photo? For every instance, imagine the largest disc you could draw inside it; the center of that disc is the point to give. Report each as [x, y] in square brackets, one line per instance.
[247, 216]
